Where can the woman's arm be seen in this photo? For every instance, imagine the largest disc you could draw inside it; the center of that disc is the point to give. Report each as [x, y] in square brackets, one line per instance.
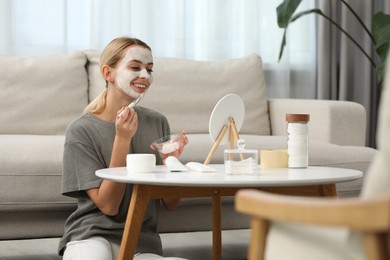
[109, 195]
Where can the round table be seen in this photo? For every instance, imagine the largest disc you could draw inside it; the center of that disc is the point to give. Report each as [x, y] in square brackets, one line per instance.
[310, 181]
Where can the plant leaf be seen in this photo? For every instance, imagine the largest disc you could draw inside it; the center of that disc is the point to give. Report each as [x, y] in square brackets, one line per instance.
[285, 11]
[380, 70]
[298, 15]
[381, 34]
[381, 28]
[283, 44]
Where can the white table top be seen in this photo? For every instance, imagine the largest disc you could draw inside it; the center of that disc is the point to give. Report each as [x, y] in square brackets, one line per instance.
[264, 177]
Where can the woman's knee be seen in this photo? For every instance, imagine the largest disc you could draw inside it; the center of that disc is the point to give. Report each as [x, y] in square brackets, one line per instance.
[94, 248]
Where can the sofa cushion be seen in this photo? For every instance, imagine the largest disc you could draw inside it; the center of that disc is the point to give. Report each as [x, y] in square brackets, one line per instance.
[31, 172]
[42, 94]
[320, 153]
[96, 82]
[186, 91]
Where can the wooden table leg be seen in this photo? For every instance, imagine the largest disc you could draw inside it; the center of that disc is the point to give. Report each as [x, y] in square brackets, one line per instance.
[329, 190]
[217, 227]
[139, 202]
[142, 194]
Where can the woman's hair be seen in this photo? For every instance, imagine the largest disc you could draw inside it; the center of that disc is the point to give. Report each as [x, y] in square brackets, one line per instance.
[110, 56]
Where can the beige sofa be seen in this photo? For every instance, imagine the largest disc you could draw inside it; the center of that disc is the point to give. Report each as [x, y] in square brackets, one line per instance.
[41, 95]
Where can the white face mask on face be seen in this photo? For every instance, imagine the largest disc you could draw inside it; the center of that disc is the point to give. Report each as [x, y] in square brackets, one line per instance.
[125, 75]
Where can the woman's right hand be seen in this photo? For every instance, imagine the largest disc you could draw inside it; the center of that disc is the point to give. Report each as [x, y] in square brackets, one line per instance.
[126, 123]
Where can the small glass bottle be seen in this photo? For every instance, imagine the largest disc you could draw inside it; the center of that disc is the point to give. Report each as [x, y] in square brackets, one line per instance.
[297, 140]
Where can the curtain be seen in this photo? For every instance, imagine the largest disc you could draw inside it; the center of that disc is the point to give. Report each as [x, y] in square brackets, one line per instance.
[344, 73]
[191, 29]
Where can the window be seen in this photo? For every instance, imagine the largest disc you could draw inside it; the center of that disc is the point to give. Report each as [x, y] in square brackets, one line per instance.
[192, 29]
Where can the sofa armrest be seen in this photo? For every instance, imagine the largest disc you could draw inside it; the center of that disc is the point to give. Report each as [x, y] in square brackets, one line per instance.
[336, 122]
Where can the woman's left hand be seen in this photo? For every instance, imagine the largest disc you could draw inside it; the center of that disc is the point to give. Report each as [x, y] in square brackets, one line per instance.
[177, 152]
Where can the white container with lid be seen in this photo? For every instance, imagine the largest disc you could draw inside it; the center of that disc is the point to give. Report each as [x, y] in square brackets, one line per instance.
[241, 161]
[297, 140]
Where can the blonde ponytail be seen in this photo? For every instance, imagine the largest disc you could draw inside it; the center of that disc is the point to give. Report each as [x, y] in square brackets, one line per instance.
[98, 104]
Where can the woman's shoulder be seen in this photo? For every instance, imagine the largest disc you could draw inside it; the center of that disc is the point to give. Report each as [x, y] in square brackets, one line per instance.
[85, 124]
[79, 122]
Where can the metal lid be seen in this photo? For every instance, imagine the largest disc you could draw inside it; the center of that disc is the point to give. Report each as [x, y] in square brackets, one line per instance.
[297, 117]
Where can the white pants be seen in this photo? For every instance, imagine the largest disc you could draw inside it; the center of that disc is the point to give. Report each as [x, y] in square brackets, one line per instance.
[98, 248]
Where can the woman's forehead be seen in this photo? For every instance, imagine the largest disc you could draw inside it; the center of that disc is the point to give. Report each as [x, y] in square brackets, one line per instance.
[138, 53]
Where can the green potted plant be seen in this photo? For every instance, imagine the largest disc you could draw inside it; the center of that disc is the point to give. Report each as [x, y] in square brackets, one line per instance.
[379, 34]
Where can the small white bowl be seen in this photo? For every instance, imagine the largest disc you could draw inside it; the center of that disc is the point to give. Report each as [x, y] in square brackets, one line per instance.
[140, 162]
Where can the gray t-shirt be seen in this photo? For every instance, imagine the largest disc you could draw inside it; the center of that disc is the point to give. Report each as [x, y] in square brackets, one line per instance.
[88, 147]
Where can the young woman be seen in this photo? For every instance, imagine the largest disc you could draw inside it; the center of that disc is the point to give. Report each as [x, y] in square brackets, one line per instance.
[101, 138]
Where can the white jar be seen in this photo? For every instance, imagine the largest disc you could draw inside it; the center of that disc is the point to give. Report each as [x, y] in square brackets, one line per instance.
[140, 162]
[297, 140]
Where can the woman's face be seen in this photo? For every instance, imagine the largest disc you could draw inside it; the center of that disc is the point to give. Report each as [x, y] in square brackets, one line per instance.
[134, 71]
